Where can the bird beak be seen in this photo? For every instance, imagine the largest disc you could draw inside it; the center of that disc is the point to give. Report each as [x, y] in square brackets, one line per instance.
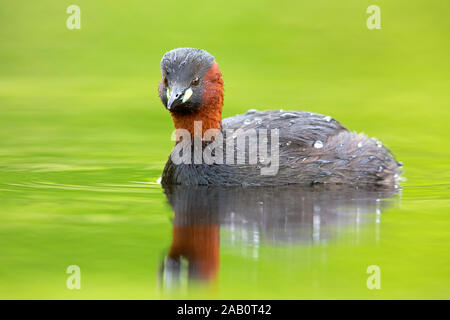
[175, 98]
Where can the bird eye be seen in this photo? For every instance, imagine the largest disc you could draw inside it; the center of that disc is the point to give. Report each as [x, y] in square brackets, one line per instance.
[195, 81]
[166, 82]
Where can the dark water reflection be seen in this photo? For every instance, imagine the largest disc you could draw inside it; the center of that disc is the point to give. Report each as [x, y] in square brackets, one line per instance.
[282, 216]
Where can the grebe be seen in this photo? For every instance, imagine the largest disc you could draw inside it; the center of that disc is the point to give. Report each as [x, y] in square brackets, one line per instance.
[311, 148]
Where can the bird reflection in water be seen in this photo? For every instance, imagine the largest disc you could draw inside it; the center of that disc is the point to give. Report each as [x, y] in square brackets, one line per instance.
[287, 215]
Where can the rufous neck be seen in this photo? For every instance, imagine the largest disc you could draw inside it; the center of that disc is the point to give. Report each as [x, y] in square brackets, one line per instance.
[208, 117]
[210, 113]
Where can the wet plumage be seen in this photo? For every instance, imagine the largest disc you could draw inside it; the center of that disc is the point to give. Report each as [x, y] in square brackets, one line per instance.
[345, 157]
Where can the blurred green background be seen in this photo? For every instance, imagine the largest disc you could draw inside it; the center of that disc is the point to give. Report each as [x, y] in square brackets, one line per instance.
[84, 137]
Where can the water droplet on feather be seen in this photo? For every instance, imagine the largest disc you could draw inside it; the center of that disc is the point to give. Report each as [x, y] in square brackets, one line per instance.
[288, 115]
[318, 144]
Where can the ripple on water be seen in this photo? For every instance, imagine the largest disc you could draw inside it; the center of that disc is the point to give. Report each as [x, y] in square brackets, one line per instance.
[132, 187]
[51, 167]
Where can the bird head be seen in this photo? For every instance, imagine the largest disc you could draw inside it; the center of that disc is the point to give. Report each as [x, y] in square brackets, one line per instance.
[190, 79]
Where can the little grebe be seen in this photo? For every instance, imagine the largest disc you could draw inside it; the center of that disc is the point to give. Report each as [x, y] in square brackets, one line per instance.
[310, 148]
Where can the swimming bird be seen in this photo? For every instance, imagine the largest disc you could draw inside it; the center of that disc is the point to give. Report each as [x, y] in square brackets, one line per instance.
[305, 148]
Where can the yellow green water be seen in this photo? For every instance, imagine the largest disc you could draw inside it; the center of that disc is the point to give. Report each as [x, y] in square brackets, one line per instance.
[83, 139]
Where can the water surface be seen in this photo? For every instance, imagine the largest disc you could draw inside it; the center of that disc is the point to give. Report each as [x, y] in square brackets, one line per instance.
[84, 138]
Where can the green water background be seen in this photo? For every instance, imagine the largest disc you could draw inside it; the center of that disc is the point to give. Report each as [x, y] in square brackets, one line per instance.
[84, 137]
